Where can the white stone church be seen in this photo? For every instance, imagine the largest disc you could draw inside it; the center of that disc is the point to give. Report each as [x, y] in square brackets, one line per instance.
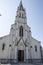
[19, 44]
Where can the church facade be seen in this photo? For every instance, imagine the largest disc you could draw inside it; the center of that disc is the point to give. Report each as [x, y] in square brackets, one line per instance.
[19, 43]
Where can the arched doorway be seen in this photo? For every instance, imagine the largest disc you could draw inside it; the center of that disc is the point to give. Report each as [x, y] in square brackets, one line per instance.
[21, 55]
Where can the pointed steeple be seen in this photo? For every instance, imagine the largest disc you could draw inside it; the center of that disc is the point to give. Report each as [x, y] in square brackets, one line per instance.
[20, 7]
[21, 13]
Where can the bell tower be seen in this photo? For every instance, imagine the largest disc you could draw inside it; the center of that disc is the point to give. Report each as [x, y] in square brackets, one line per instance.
[20, 29]
[21, 14]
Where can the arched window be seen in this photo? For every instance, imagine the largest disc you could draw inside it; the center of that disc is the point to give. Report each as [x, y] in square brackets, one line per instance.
[22, 15]
[35, 48]
[19, 14]
[10, 45]
[41, 50]
[3, 46]
[21, 31]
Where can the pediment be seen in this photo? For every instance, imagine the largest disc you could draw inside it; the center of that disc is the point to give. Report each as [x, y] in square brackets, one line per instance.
[21, 42]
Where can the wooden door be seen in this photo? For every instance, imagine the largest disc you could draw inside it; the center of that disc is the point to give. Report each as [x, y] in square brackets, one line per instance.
[20, 55]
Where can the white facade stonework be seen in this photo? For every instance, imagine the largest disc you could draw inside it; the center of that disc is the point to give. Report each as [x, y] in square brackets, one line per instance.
[14, 42]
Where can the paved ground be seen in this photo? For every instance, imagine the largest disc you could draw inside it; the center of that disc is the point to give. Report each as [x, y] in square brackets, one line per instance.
[24, 64]
[28, 64]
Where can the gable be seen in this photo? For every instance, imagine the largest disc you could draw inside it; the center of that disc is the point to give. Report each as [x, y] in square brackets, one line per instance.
[21, 43]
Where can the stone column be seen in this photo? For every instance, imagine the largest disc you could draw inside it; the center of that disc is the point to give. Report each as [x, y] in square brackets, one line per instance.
[26, 53]
[15, 59]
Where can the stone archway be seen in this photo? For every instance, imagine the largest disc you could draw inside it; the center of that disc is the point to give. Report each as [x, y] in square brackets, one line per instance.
[21, 55]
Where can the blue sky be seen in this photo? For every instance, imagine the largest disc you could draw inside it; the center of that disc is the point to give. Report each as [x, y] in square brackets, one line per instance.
[34, 10]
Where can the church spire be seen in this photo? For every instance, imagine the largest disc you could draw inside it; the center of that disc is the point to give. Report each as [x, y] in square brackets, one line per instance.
[21, 2]
[20, 7]
[21, 13]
